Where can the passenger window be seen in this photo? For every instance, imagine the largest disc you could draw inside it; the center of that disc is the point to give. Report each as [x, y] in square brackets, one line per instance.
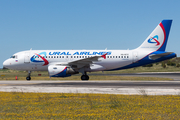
[59, 56]
[127, 56]
[124, 56]
[51, 56]
[62, 56]
[66, 56]
[54, 56]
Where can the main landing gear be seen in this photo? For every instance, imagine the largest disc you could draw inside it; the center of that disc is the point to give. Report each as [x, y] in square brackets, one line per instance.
[29, 76]
[85, 77]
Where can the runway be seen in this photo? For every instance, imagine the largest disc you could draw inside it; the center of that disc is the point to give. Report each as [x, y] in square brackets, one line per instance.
[104, 87]
[172, 75]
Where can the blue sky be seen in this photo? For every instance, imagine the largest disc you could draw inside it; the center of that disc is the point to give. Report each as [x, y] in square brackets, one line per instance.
[83, 24]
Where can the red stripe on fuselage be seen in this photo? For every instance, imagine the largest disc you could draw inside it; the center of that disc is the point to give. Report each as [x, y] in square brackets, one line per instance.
[46, 62]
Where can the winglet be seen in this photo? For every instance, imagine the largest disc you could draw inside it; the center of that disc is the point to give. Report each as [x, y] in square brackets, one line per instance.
[104, 56]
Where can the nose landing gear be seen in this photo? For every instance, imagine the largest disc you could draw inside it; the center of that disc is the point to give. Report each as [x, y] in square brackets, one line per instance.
[29, 76]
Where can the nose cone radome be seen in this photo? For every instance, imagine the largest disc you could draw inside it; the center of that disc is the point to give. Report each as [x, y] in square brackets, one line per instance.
[6, 64]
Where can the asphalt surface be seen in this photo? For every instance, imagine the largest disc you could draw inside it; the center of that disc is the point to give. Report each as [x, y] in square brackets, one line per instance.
[101, 84]
[106, 87]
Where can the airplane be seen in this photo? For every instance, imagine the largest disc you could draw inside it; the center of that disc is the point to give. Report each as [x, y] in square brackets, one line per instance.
[64, 63]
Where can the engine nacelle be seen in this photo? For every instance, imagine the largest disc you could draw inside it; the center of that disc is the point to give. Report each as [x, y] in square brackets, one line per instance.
[60, 71]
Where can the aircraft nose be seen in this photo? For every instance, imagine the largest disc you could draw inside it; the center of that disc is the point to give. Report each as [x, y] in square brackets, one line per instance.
[6, 64]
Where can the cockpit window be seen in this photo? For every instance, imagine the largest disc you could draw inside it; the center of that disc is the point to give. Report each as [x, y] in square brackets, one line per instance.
[14, 57]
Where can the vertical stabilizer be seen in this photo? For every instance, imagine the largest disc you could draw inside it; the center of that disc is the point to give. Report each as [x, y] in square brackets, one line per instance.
[157, 40]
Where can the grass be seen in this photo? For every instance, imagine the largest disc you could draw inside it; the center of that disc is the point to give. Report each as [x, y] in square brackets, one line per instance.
[155, 68]
[87, 106]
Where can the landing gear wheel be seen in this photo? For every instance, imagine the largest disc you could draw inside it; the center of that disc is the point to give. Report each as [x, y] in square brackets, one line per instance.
[28, 78]
[84, 77]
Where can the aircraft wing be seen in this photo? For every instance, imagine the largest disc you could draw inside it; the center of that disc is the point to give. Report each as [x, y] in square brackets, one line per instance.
[85, 62]
[156, 56]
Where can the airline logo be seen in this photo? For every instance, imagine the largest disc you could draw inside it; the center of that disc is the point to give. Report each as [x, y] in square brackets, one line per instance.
[154, 40]
[34, 58]
[79, 53]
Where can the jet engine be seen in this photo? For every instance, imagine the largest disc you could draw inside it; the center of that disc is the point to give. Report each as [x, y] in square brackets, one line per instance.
[60, 71]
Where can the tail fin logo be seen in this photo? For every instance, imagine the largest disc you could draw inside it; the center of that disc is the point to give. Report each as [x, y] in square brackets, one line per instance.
[154, 40]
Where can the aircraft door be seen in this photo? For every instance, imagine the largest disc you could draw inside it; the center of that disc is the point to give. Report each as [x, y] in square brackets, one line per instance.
[27, 57]
[135, 57]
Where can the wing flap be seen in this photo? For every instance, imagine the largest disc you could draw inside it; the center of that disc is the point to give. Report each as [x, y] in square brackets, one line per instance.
[86, 61]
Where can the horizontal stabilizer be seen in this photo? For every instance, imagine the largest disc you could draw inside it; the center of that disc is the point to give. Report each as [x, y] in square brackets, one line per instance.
[157, 56]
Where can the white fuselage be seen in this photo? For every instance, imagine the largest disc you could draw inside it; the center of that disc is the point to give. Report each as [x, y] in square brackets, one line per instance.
[114, 59]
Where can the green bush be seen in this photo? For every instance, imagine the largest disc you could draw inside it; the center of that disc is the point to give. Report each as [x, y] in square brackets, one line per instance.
[178, 65]
[148, 65]
[163, 65]
[169, 63]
